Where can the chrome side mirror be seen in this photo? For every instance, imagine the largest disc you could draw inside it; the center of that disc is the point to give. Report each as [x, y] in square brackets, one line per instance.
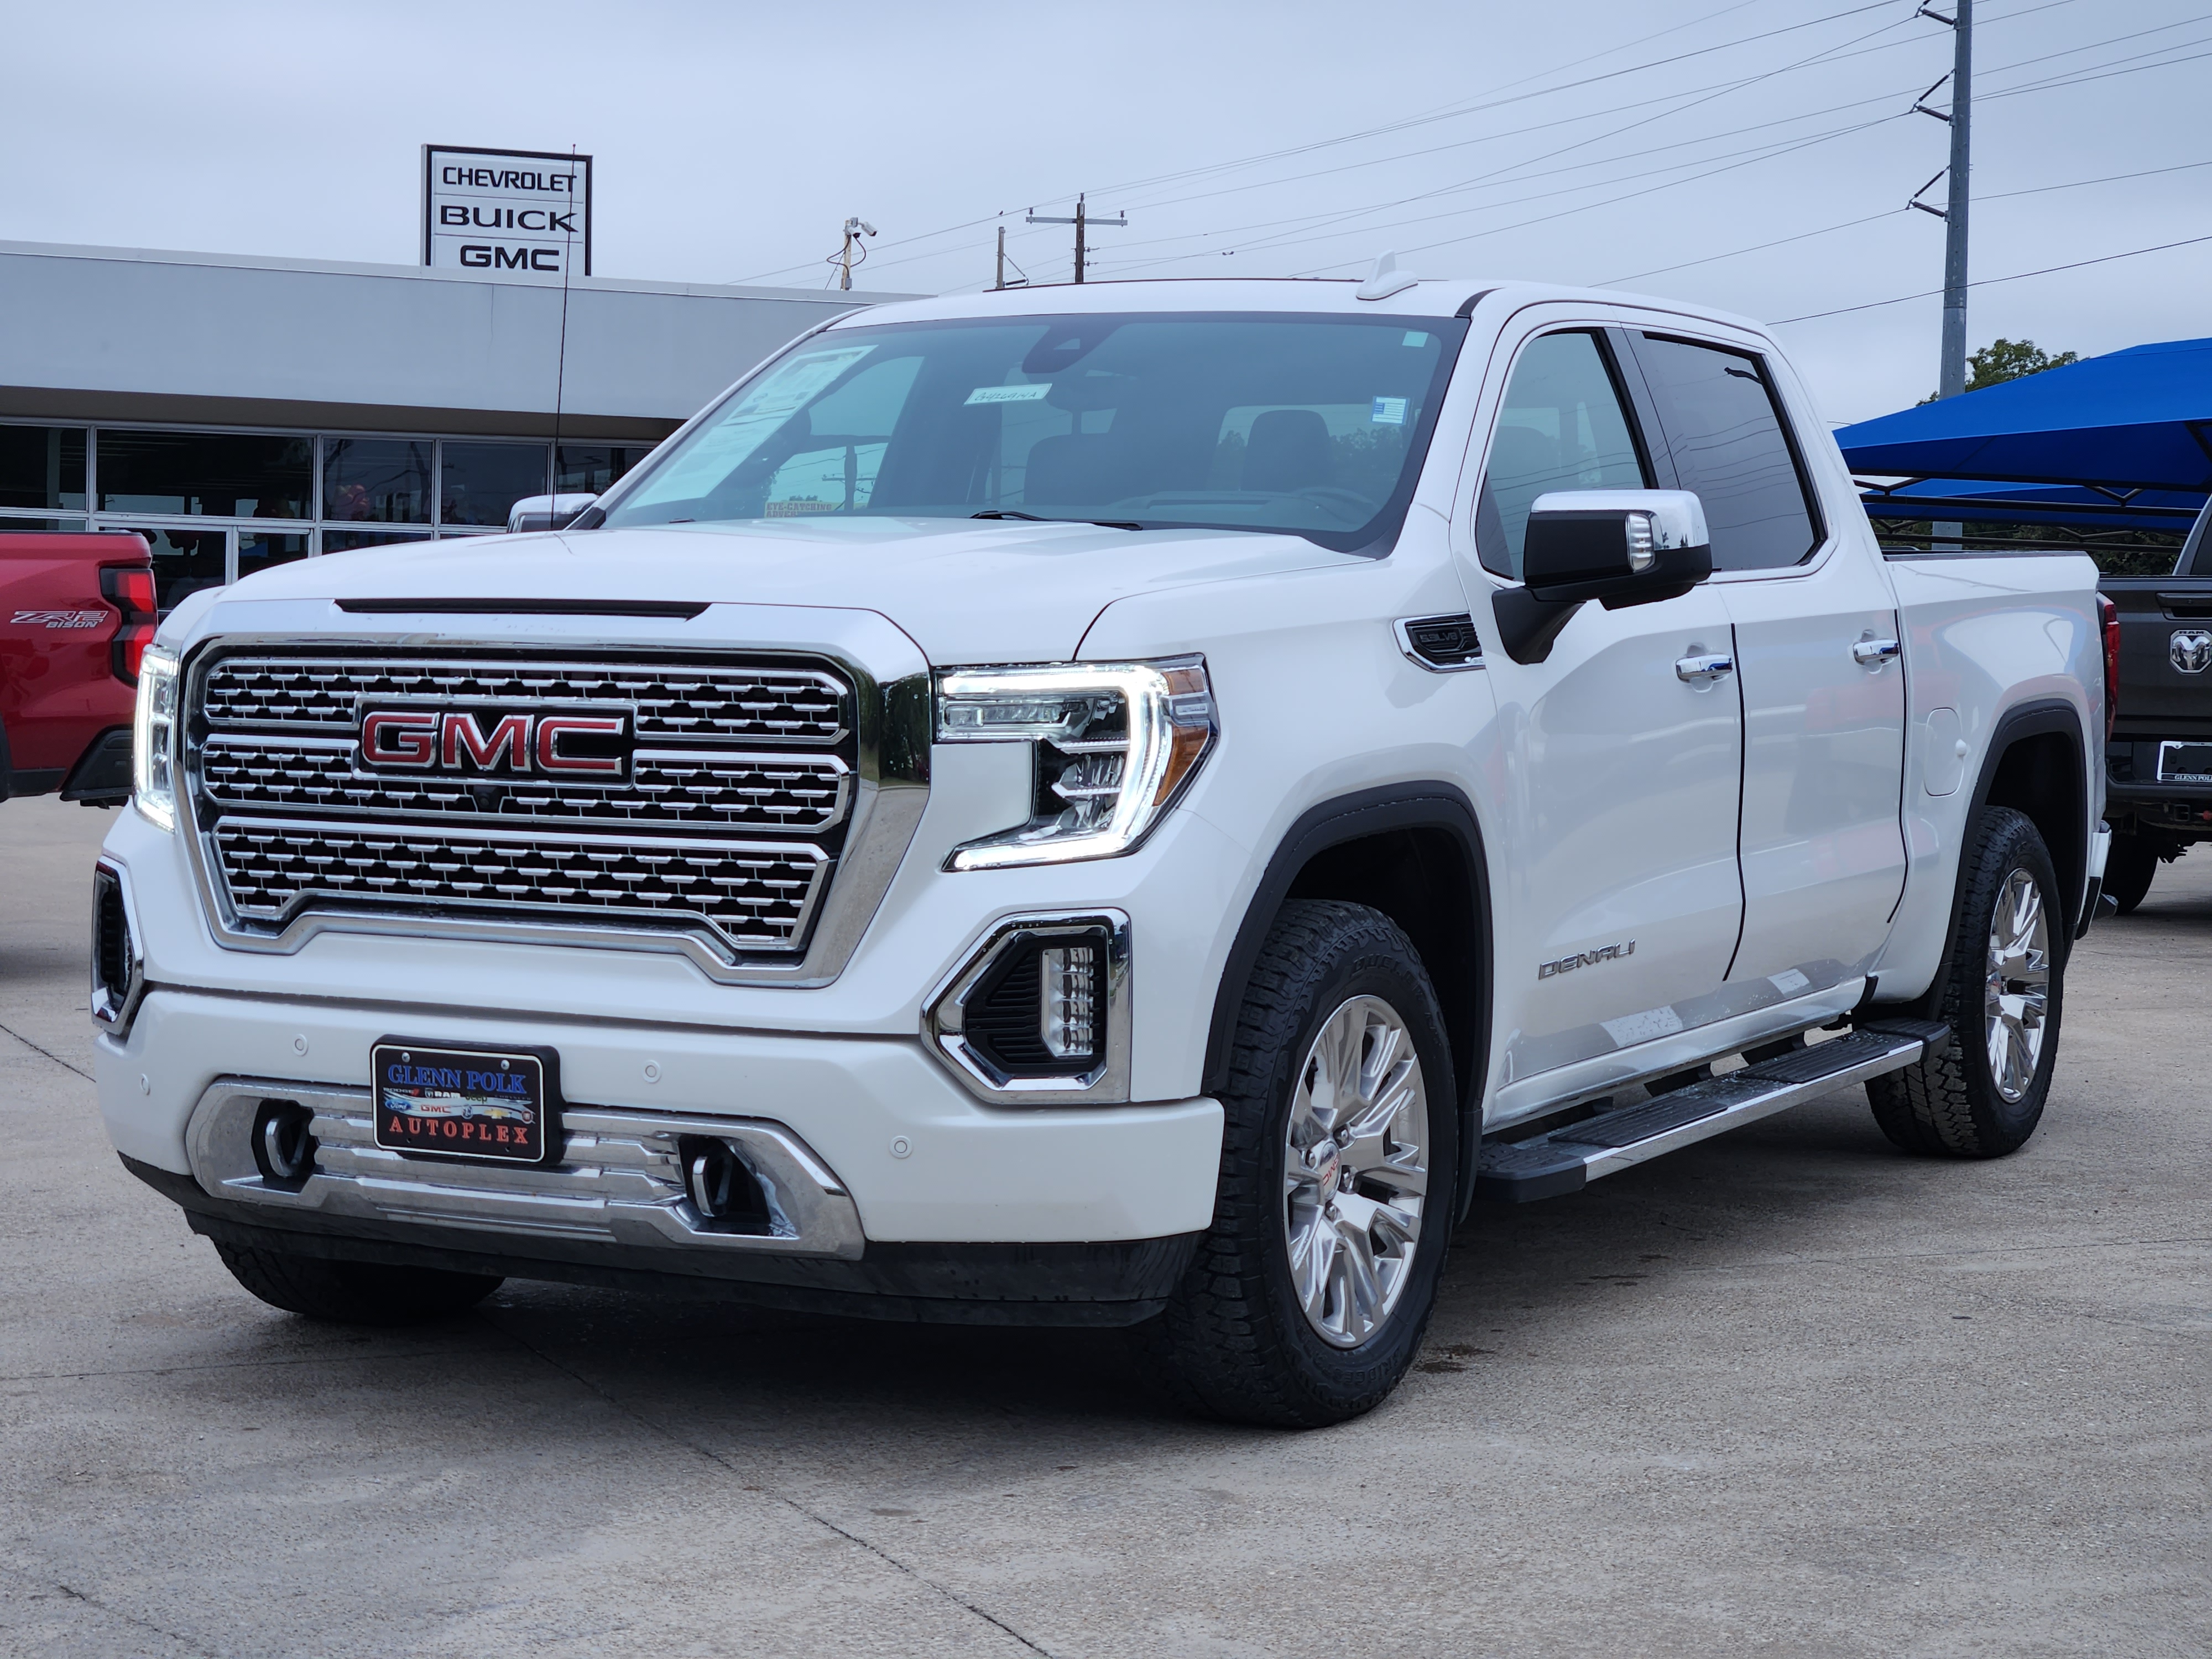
[547, 511]
[1615, 543]
[1619, 547]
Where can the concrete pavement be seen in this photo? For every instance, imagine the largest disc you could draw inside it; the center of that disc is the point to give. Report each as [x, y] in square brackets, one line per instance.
[1787, 1392]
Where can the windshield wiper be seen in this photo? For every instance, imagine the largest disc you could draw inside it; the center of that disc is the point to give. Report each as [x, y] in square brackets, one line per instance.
[1039, 518]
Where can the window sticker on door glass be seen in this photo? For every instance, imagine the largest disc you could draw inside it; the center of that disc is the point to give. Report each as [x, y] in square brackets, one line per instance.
[1388, 412]
[748, 423]
[1009, 394]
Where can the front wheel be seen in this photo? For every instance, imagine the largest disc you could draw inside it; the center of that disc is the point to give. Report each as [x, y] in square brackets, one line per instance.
[353, 1292]
[1980, 1093]
[1307, 1297]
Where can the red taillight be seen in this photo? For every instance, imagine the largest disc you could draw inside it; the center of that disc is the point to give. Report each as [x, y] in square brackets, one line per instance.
[2108, 614]
[130, 589]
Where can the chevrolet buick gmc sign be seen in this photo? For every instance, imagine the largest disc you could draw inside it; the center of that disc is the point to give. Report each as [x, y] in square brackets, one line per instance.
[506, 212]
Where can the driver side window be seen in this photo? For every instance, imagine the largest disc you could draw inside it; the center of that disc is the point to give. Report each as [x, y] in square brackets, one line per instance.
[1563, 427]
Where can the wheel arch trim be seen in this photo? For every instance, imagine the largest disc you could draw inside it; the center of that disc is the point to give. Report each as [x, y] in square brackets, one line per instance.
[1433, 806]
[2036, 718]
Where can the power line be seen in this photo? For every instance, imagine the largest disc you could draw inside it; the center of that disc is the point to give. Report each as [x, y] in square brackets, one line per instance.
[1451, 113]
[1989, 282]
[1891, 213]
[908, 250]
[1610, 201]
[1830, 55]
[1709, 94]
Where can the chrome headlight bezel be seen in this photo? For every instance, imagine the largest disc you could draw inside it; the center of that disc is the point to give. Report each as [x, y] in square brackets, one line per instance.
[1127, 738]
[154, 724]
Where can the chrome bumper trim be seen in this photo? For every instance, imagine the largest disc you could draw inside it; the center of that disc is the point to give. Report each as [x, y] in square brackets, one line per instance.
[620, 1180]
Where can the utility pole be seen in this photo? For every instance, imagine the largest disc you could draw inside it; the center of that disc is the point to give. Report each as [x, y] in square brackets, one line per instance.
[854, 230]
[1951, 379]
[1082, 223]
[1021, 280]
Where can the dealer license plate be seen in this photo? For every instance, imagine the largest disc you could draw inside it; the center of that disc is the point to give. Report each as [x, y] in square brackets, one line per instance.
[493, 1105]
[2184, 762]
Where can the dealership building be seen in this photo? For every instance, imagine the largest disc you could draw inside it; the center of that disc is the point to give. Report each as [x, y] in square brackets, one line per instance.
[239, 411]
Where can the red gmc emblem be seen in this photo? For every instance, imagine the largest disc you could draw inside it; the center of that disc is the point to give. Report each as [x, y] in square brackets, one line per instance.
[494, 742]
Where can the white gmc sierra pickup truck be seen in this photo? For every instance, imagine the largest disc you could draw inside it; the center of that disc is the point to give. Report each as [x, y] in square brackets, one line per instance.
[1120, 805]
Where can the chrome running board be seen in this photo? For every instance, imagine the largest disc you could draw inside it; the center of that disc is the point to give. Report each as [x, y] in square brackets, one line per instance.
[1567, 1160]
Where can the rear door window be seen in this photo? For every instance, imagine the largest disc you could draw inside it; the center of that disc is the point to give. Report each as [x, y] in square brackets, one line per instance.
[1565, 426]
[1729, 442]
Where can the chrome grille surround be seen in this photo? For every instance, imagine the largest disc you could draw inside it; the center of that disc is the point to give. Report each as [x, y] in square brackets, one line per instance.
[756, 835]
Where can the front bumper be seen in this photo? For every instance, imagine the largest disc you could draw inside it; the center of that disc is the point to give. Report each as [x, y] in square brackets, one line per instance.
[1106, 1283]
[914, 1156]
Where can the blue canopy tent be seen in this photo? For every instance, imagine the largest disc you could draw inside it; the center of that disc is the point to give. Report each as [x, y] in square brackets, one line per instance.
[2120, 443]
[2138, 419]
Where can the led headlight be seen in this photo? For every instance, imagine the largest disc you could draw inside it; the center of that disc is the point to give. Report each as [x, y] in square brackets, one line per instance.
[1114, 743]
[153, 737]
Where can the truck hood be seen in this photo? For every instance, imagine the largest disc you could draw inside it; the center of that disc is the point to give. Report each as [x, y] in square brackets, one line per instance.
[994, 592]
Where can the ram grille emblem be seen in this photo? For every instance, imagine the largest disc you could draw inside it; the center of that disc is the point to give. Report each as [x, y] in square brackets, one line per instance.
[2192, 650]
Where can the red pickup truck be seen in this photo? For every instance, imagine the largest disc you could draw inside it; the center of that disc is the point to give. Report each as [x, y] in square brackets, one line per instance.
[77, 613]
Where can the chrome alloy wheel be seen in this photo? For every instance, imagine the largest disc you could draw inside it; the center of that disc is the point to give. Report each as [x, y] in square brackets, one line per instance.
[2019, 985]
[1355, 1171]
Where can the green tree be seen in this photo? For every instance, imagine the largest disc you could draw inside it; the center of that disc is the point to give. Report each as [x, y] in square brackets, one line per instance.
[2004, 360]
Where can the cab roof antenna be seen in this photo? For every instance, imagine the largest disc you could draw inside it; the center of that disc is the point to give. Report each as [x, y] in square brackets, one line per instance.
[1385, 280]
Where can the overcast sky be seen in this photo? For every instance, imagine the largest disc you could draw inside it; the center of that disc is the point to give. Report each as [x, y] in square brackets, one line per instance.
[1264, 139]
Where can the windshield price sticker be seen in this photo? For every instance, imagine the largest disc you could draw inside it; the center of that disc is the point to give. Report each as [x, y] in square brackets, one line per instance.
[1388, 411]
[1009, 394]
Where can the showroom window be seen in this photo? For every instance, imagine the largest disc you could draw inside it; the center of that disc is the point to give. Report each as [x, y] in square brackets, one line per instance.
[205, 500]
[227, 475]
[379, 480]
[42, 467]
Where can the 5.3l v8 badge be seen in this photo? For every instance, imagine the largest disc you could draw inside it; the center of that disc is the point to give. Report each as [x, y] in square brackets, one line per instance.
[2190, 649]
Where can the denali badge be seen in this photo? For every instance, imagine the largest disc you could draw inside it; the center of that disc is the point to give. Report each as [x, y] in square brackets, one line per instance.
[2192, 650]
[587, 747]
[1585, 959]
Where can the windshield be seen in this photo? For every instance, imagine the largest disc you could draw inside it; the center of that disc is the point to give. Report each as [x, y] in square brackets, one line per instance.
[1312, 425]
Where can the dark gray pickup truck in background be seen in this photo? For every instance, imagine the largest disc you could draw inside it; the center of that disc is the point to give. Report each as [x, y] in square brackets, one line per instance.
[2159, 789]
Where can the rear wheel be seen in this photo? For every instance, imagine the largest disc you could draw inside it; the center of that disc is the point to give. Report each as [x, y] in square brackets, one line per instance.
[1307, 1297]
[353, 1292]
[1980, 1093]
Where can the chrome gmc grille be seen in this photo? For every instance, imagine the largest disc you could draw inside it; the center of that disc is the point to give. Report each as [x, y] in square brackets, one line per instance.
[687, 786]
[672, 700]
[758, 896]
[735, 789]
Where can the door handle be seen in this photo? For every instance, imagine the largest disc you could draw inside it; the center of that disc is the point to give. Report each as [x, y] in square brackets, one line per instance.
[1872, 655]
[1704, 669]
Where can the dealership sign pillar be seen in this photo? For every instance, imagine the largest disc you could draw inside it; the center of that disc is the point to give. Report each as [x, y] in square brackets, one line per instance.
[507, 210]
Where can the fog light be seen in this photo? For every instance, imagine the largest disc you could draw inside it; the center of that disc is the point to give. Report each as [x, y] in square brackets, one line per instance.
[284, 1143]
[1039, 1012]
[1068, 984]
[724, 1189]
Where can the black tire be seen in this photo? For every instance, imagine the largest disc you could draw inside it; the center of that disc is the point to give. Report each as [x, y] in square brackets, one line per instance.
[354, 1293]
[1949, 1105]
[1236, 1343]
[2130, 864]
